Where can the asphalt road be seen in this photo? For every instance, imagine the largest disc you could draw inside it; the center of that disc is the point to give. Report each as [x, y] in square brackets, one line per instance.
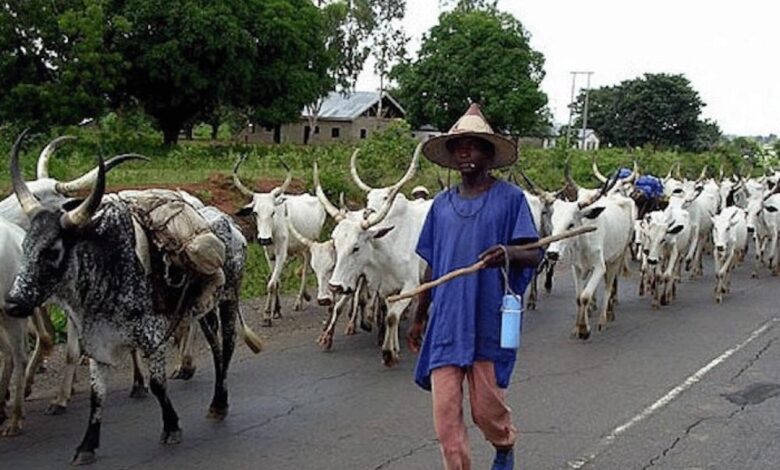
[691, 386]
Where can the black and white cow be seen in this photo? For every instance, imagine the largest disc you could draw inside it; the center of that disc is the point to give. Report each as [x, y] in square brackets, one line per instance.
[85, 259]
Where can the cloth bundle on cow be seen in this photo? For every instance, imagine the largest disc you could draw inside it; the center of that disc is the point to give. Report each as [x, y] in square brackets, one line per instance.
[184, 238]
[648, 191]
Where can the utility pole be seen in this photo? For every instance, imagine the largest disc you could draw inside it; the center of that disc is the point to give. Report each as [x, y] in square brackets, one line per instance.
[571, 106]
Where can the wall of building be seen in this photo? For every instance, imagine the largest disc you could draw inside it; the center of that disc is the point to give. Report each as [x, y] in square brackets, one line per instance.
[325, 132]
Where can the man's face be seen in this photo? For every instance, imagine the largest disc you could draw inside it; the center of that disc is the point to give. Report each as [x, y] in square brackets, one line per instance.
[470, 155]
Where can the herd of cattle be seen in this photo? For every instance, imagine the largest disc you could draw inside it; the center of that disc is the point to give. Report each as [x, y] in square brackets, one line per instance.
[93, 258]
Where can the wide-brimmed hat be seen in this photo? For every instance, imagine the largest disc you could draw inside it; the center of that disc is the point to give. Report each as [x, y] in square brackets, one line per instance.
[471, 124]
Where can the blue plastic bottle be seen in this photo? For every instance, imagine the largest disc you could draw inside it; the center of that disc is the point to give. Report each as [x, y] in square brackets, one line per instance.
[511, 321]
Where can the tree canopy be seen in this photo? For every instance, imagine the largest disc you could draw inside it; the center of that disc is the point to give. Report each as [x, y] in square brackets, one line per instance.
[178, 59]
[657, 109]
[475, 55]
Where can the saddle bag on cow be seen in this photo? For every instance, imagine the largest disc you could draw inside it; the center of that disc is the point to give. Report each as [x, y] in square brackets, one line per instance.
[177, 229]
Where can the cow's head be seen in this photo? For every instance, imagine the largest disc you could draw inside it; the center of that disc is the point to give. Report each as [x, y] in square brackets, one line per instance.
[49, 242]
[268, 208]
[661, 230]
[566, 216]
[724, 228]
[355, 246]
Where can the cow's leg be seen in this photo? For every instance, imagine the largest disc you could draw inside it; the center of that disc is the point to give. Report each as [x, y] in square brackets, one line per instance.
[391, 347]
[15, 345]
[611, 273]
[548, 278]
[98, 378]
[44, 343]
[171, 433]
[139, 389]
[668, 275]
[209, 325]
[355, 307]
[326, 337]
[72, 356]
[533, 292]
[186, 367]
[757, 257]
[229, 312]
[303, 296]
[581, 317]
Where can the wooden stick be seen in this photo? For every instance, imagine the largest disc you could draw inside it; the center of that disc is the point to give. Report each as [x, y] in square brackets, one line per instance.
[481, 264]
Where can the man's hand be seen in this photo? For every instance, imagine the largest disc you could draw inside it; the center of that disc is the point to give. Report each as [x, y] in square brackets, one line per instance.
[414, 336]
[493, 257]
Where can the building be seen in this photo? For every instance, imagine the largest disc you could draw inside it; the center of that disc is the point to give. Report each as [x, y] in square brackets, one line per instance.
[349, 118]
[591, 141]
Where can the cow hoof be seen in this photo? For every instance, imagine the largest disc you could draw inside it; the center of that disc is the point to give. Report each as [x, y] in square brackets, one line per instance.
[266, 323]
[12, 429]
[325, 341]
[350, 330]
[583, 334]
[277, 315]
[365, 326]
[183, 373]
[216, 413]
[389, 359]
[531, 305]
[83, 458]
[298, 306]
[139, 391]
[55, 409]
[171, 437]
[27, 391]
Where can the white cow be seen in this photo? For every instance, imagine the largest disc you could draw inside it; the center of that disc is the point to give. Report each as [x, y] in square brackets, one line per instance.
[669, 236]
[269, 210]
[384, 254]
[730, 234]
[18, 369]
[770, 213]
[596, 256]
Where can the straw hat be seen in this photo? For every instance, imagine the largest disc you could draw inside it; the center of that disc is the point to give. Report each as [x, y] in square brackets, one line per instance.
[471, 124]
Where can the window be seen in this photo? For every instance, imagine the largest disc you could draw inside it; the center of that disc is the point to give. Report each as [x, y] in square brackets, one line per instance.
[363, 133]
[334, 132]
[316, 130]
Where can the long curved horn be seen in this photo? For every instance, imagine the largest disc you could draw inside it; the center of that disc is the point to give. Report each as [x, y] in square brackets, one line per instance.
[69, 188]
[412, 168]
[531, 186]
[306, 241]
[702, 175]
[342, 202]
[634, 173]
[276, 192]
[237, 181]
[337, 215]
[79, 216]
[43, 159]
[669, 174]
[596, 171]
[353, 171]
[677, 172]
[720, 174]
[30, 205]
[567, 175]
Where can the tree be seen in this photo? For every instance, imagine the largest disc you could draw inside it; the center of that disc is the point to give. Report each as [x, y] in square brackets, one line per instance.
[56, 63]
[658, 109]
[475, 55]
[188, 57]
[389, 41]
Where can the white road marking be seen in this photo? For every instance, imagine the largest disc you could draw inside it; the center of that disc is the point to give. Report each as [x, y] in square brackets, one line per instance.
[607, 440]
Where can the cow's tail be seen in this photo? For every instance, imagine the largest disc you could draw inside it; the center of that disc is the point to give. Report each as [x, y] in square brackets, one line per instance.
[250, 337]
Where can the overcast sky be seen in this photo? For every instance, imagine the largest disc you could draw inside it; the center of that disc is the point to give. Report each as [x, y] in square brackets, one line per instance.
[727, 49]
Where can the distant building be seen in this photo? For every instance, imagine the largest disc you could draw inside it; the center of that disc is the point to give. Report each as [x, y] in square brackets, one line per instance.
[591, 141]
[426, 132]
[341, 118]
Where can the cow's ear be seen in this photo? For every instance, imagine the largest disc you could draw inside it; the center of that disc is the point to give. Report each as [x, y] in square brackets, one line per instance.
[770, 209]
[245, 211]
[593, 213]
[280, 200]
[381, 232]
[676, 229]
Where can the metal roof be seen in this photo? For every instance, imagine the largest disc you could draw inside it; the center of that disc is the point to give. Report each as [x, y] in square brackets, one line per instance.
[339, 107]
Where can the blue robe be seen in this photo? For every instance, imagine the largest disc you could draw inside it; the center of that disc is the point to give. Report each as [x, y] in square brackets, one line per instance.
[465, 319]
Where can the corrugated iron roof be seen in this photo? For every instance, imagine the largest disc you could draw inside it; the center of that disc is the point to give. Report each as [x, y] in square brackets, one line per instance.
[340, 107]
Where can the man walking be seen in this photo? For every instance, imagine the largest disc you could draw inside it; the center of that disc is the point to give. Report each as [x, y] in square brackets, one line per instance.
[481, 218]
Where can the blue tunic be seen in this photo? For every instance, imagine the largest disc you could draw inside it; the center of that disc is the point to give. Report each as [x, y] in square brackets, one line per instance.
[465, 319]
